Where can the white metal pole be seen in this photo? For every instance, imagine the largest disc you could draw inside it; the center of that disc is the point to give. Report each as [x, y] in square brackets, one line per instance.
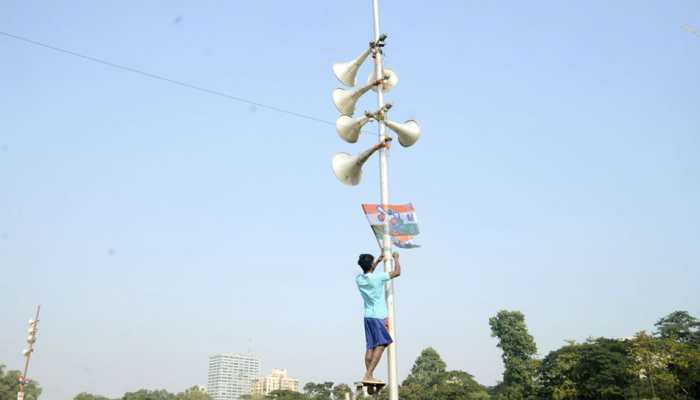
[384, 190]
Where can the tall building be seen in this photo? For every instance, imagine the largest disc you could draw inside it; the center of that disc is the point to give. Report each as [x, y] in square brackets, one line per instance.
[278, 380]
[232, 375]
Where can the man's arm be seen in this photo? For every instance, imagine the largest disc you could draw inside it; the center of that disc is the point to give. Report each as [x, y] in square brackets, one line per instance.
[378, 260]
[397, 267]
[386, 144]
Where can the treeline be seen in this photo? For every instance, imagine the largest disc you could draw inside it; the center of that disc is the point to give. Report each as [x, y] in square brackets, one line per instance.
[663, 365]
[192, 393]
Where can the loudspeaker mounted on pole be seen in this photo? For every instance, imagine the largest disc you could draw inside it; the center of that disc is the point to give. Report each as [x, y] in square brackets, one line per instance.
[345, 99]
[348, 168]
[408, 131]
[347, 72]
[389, 82]
[348, 128]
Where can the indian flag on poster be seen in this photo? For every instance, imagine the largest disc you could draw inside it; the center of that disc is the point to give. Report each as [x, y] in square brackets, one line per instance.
[403, 224]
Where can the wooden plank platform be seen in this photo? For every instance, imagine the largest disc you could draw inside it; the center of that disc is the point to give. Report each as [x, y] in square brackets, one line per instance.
[372, 388]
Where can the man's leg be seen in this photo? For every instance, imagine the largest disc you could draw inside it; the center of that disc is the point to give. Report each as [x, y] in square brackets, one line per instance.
[376, 356]
[368, 361]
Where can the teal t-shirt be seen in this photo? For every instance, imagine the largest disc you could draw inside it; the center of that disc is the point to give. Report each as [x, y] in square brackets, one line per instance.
[371, 287]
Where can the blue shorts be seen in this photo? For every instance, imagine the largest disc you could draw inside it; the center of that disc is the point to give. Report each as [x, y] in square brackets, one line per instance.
[376, 334]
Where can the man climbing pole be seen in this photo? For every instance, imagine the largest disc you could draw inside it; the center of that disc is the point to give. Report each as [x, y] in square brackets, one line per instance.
[371, 286]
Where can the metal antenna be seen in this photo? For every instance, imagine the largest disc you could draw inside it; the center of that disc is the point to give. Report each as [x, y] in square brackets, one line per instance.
[31, 339]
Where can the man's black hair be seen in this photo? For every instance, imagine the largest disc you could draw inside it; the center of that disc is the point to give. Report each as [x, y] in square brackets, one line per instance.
[365, 262]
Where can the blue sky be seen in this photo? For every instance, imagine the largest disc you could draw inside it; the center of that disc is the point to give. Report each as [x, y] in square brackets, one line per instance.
[558, 174]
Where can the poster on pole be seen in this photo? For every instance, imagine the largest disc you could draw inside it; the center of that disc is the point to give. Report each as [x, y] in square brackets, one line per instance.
[403, 223]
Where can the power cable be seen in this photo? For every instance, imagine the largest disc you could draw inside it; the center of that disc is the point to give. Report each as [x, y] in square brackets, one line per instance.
[165, 79]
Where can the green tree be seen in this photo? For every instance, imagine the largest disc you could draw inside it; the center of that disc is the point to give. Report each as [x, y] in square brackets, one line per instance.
[319, 391]
[507, 392]
[603, 370]
[459, 385]
[430, 381]
[644, 367]
[285, 395]
[679, 326]
[9, 386]
[89, 396]
[649, 359]
[519, 350]
[427, 369]
[340, 390]
[557, 373]
[145, 394]
[253, 397]
[193, 393]
[685, 366]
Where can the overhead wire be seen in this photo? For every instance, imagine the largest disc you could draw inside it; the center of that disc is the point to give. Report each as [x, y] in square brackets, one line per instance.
[173, 81]
[166, 79]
